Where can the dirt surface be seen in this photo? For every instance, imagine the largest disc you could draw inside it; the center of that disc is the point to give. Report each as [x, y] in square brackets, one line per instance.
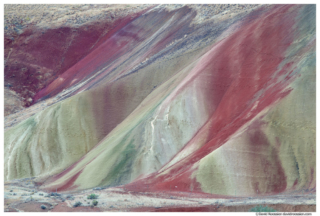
[13, 102]
[62, 207]
[219, 208]
[31, 206]
[23, 196]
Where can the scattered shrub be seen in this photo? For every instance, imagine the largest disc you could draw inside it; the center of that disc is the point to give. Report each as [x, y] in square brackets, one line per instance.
[69, 197]
[77, 204]
[55, 194]
[92, 196]
[94, 202]
[43, 207]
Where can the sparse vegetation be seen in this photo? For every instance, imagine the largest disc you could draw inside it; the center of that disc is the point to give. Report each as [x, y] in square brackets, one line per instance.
[99, 188]
[94, 202]
[55, 194]
[69, 197]
[77, 204]
[261, 208]
[92, 196]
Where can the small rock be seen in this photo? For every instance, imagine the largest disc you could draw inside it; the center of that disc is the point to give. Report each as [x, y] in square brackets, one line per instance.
[69, 197]
[98, 188]
[55, 194]
[29, 199]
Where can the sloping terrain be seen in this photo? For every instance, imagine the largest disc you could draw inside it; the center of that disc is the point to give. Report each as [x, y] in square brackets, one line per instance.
[180, 98]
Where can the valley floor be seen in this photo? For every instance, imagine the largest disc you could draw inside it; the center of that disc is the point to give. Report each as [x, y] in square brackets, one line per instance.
[23, 196]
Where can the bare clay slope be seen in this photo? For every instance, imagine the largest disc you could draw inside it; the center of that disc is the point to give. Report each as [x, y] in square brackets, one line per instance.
[173, 102]
[56, 137]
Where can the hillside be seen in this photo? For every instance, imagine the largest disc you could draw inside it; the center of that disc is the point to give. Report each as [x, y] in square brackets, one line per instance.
[203, 99]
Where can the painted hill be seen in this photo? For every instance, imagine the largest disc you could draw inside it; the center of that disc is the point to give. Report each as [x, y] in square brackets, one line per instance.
[175, 99]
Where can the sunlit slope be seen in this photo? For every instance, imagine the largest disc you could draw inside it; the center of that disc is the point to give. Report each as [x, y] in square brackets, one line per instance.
[148, 138]
[57, 137]
[261, 138]
[225, 107]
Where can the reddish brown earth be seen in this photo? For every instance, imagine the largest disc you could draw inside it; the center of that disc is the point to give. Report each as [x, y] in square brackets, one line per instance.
[42, 63]
[29, 67]
[37, 56]
[235, 96]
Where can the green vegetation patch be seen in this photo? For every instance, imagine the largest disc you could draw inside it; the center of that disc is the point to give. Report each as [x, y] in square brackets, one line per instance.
[92, 196]
[94, 202]
[261, 208]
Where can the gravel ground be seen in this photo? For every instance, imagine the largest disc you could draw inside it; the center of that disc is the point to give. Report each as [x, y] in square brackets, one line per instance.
[13, 102]
[117, 199]
[19, 16]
